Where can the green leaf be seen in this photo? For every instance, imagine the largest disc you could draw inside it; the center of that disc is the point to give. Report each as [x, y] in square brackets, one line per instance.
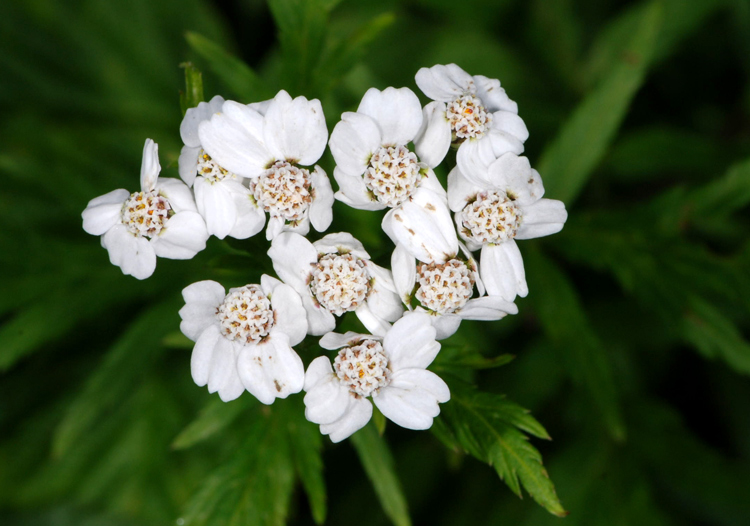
[489, 427]
[724, 195]
[193, 94]
[377, 460]
[568, 162]
[237, 75]
[215, 416]
[565, 322]
[306, 444]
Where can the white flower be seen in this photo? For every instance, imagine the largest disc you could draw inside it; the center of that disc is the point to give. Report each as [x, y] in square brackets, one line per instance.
[391, 370]
[473, 112]
[160, 220]
[227, 205]
[243, 340]
[270, 143]
[506, 205]
[445, 291]
[335, 275]
[376, 170]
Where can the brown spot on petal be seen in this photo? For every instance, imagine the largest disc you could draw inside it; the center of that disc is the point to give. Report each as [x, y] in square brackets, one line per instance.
[278, 385]
[430, 207]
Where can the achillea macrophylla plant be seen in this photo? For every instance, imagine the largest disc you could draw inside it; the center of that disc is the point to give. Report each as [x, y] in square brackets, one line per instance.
[454, 255]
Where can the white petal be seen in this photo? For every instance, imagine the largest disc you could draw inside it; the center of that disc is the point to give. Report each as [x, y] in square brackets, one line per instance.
[321, 208]
[326, 399]
[182, 238]
[510, 123]
[501, 268]
[180, 197]
[514, 175]
[267, 284]
[200, 360]
[301, 227]
[333, 340]
[293, 258]
[271, 369]
[196, 316]
[431, 182]
[460, 190]
[250, 217]
[223, 365]
[318, 371]
[274, 228]
[204, 291]
[150, 166]
[423, 379]
[290, 315]
[434, 138]
[295, 130]
[411, 342]
[444, 82]
[231, 139]
[216, 204]
[493, 97]
[545, 217]
[487, 308]
[375, 324]
[404, 268]
[503, 142]
[319, 319]
[474, 158]
[194, 116]
[423, 225]
[382, 300]
[341, 243]
[104, 212]
[358, 413]
[232, 388]
[445, 325]
[353, 141]
[188, 164]
[397, 112]
[354, 192]
[134, 255]
[409, 405]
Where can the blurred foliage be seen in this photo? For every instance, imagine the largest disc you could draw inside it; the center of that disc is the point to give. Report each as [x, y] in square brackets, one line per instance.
[631, 348]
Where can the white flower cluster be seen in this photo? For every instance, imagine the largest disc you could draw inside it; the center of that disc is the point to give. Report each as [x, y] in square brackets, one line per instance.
[245, 161]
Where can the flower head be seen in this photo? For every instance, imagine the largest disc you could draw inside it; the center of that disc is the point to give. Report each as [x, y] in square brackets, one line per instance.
[273, 144]
[335, 275]
[390, 370]
[244, 338]
[160, 220]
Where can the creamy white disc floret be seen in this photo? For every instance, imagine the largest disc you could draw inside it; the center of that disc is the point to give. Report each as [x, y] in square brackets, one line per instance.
[284, 191]
[444, 287]
[392, 174]
[492, 217]
[468, 118]
[245, 315]
[340, 282]
[363, 368]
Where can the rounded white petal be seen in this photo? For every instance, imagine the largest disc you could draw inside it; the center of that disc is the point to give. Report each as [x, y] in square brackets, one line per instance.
[397, 112]
[510, 123]
[326, 399]
[514, 175]
[182, 238]
[354, 192]
[444, 82]
[232, 139]
[333, 340]
[104, 212]
[204, 291]
[382, 300]
[460, 190]
[318, 371]
[474, 158]
[289, 313]
[196, 316]
[503, 142]
[194, 116]
[295, 129]
[487, 308]
[188, 164]
[341, 243]
[434, 138]
[250, 217]
[411, 399]
[134, 255]
[150, 166]
[426, 380]
[216, 204]
[353, 141]
[232, 388]
[274, 228]
[293, 258]
[445, 325]
[501, 268]
[180, 197]
[424, 226]
[200, 360]
[411, 342]
[375, 324]
[404, 268]
[356, 416]
[319, 319]
[493, 97]
[271, 369]
[545, 217]
[267, 284]
[321, 208]
[223, 365]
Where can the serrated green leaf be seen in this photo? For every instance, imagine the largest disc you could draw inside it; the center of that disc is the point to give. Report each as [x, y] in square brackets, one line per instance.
[215, 416]
[306, 444]
[377, 461]
[565, 165]
[193, 94]
[565, 322]
[488, 427]
[237, 75]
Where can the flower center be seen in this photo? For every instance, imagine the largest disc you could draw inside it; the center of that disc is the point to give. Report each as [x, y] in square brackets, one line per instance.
[283, 190]
[393, 174]
[146, 213]
[340, 282]
[363, 368]
[492, 218]
[468, 117]
[210, 169]
[444, 287]
[245, 315]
